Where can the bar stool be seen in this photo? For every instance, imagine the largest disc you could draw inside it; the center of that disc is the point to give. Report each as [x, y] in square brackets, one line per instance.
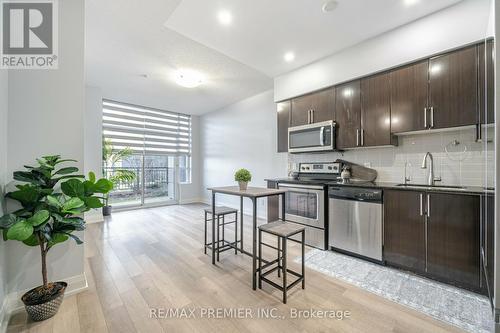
[283, 231]
[220, 213]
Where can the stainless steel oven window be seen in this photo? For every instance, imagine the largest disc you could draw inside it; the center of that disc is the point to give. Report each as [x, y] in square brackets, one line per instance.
[302, 204]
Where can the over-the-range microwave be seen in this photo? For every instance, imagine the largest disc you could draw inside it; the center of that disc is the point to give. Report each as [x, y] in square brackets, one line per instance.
[312, 137]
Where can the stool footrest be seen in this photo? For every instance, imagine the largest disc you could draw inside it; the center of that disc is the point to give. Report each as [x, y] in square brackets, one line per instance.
[277, 286]
[271, 246]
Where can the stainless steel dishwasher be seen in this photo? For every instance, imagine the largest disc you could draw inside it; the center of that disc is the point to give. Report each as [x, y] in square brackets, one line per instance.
[355, 221]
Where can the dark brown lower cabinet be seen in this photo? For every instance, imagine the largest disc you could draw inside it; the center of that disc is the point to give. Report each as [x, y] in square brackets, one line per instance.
[404, 230]
[434, 234]
[487, 243]
[453, 238]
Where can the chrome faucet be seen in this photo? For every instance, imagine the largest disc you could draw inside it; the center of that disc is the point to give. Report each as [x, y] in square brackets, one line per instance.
[407, 177]
[431, 178]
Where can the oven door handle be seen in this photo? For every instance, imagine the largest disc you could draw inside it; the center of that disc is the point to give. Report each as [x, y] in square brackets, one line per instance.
[300, 186]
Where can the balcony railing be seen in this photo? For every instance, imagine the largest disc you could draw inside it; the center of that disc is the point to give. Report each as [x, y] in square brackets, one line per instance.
[157, 181]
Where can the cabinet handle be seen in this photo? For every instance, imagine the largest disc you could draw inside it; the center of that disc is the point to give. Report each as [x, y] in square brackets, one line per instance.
[432, 117]
[428, 205]
[425, 117]
[362, 135]
[421, 204]
[479, 133]
[357, 137]
[485, 218]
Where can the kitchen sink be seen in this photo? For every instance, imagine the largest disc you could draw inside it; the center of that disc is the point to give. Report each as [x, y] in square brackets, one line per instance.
[434, 187]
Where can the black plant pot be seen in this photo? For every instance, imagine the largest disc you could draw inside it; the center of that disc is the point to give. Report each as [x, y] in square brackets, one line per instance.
[42, 304]
[106, 210]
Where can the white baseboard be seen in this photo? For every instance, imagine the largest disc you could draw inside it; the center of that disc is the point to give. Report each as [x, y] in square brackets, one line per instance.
[190, 201]
[12, 303]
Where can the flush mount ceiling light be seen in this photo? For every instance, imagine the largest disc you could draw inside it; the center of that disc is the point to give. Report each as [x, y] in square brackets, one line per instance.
[289, 56]
[329, 6]
[225, 17]
[188, 78]
[411, 2]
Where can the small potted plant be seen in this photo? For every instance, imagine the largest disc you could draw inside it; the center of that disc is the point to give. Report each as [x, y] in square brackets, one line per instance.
[243, 176]
[48, 216]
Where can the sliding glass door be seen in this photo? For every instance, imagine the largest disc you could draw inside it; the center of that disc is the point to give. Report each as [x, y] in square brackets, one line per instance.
[144, 148]
[154, 181]
[159, 179]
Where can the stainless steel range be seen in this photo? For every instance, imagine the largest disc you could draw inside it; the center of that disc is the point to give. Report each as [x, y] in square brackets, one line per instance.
[306, 200]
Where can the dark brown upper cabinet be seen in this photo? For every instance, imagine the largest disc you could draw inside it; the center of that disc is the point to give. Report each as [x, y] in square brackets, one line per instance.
[453, 89]
[283, 114]
[376, 111]
[486, 83]
[453, 246]
[348, 114]
[409, 87]
[404, 230]
[313, 108]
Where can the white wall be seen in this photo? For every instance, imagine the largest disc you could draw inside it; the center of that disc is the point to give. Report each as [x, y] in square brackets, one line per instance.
[242, 135]
[46, 113]
[458, 25]
[92, 146]
[3, 176]
[92, 143]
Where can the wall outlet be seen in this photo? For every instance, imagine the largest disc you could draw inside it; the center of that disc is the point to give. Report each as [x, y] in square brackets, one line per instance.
[368, 165]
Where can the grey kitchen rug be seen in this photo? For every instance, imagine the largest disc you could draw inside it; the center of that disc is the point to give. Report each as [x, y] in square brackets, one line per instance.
[461, 308]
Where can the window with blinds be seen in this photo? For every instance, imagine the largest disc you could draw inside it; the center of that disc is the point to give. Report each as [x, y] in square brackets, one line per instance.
[146, 130]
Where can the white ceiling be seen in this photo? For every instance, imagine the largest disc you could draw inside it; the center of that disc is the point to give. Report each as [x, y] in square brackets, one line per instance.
[263, 30]
[126, 40]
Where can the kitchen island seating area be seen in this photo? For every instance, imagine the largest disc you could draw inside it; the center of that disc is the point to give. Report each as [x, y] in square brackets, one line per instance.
[253, 193]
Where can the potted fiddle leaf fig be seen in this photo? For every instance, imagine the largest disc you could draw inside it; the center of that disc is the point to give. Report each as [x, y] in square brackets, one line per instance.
[53, 200]
[243, 176]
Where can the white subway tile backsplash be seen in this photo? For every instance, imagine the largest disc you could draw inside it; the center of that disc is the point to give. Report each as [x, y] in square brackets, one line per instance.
[468, 163]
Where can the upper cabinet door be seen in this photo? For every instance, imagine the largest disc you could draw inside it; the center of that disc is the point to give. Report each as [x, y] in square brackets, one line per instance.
[300, 113]
[323, 105]
[486, 83]
[409, 87]
[313, 108]
[348, 114]
[283, 111]
[453, 89]
[376, 111]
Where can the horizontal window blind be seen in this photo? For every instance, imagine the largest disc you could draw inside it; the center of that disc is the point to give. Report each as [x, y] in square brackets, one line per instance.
[146, 130]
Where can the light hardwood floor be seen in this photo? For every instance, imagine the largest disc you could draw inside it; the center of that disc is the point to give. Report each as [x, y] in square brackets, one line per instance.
[153, 258]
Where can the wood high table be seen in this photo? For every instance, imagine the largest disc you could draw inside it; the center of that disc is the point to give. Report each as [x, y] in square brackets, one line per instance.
[253, 193]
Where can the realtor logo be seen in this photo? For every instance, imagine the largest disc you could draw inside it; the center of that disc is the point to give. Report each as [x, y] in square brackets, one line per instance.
[29, 34]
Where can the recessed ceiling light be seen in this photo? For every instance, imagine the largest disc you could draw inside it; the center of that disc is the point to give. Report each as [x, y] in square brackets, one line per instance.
[411, 2]
[225, 17]
[329, 6]
[289, 57]
[188, 78]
